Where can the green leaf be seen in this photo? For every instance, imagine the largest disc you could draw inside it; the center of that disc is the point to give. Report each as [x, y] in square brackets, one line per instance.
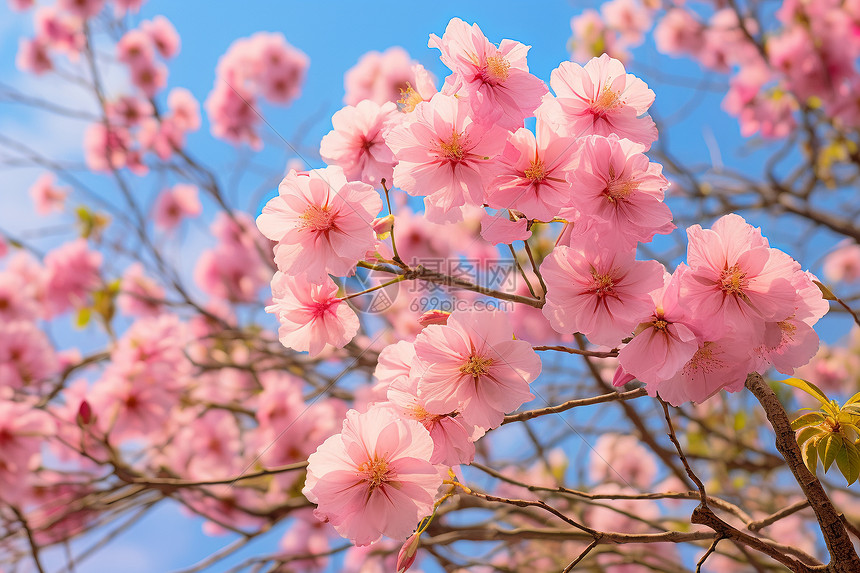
[853, 409]
[810, 419]
[807, 434]
[828, 447]
[848, 460]
[825, 292]
[809, 388]
[853, 399]
[83, 318]
[810, 456]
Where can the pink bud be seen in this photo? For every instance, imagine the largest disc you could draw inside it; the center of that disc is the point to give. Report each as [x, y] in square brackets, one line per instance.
[621, 377]
[433, 317]
[85, 414]
[383, 225]
[406, 556]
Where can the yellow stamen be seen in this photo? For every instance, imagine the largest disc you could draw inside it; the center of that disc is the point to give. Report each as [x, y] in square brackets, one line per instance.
[454, 149]
[733, 280]
[536, 171]
[498, 68]
[477, 366]
[409, 98]
[607, 100]
[317, 218]
[375, 472]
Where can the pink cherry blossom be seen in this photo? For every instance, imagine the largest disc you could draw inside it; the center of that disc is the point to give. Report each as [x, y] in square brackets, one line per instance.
[23, 429]
[598, 291]
[163, 36]
[499, 228]
[380, 77]
[629, 17]
[135, 48]
[443, 154]
[615, 183]
[735, 280]
[47, 195]
[622, 459]
[843, 263]
[600, 98]
[593, 37]
[72, 272]
[175, 204]
[716, 365]
[322, 223]
[184, 109]
[665, 341]
[311, 315]
[373, 479]
[129, 111]
[495, 80]
[33, 56]
[83, 8]
[453, 438]
[472, 365]
[679, 33]
[531, 175]
[357, 145]
[150, 78]
[139, 294]
[27, 358]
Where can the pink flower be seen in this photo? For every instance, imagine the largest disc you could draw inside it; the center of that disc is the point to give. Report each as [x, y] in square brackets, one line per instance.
[615, 183]
[664, 342]
[380, 77]
[83, 8]
[472, 365]
[282, 68]
[23, 430]
[129, 111]
[601, 292]
[163, 35]
[322, 223]
[46, 195]
[592, 37]
[717, 365]
[135, 48]
[622, 459]
[311, 315]
[139, 294]
[72, 272]
[843, 263]
[184, 109]
[679, 33]
[531, 174]
[33, 56]
[735, 280]
[27, 358]
[600, 99]
[175, 204]
[495, 80]
[356, 144]
[150, 78]
[443, 154]
[373, 479]
[499, 228]
[629, 17]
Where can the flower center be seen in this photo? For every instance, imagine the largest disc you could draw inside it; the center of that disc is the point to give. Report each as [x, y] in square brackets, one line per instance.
[318, 218]
[375, 472]
[607, 100]
[536, 171]
[602, 284]
[704, 361]
[409, 98]
[733, 280]
[455, 148]
[477, 366]
[497, 68]
[661, 324]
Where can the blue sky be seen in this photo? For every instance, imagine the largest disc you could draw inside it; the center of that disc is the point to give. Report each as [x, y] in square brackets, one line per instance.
[334, 35]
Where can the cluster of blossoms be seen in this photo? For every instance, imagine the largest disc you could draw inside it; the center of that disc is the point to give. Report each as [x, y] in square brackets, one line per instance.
[807, 62]
[264, 65]
[735, 307]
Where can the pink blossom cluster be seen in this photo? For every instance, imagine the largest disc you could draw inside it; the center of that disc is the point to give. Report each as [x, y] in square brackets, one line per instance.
[806, 60]
[263, 66]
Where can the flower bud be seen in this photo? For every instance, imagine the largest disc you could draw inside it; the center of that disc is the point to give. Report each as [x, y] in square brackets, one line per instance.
[433, 317]
[406, 556]
[382, 225]
[621, 377]
[85, 414]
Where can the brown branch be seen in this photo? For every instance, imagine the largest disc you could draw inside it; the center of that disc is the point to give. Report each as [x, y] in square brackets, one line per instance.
[843, 555]
[773, 518]
[592, 353]
[529, 414]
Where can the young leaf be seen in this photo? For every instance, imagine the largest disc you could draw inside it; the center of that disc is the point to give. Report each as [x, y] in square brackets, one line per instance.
[825, 292]
[853, 399]
[828, 447]
[809, 388]
[807, 434]
[810, 455]
[810, 419]
[848, 460]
